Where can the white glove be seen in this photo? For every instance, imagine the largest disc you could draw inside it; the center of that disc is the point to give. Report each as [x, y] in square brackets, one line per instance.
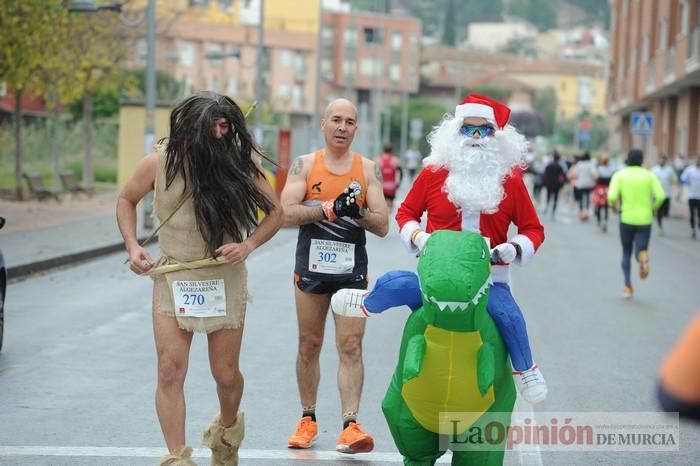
[504, 252]
[420, 240]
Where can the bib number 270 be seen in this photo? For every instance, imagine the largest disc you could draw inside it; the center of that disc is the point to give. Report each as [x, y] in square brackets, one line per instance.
[193, 299]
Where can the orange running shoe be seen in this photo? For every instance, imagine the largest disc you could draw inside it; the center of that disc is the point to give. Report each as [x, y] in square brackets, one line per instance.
[354, 440]
[304, 435]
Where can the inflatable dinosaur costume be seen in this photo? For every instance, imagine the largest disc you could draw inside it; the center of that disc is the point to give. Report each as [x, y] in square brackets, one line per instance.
[452, 357]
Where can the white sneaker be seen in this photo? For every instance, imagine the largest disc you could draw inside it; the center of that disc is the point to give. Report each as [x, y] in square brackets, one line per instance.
[349, 303]
[531, 384]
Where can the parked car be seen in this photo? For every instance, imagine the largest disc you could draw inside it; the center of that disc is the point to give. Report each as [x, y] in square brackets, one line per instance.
[3, 285]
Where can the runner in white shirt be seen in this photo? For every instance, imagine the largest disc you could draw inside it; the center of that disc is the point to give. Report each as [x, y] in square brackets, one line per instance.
[691, 182]
[667, 177]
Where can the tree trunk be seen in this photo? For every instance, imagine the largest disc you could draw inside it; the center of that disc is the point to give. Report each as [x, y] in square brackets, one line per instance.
[55, 142]
[17, 121]
[88, 175]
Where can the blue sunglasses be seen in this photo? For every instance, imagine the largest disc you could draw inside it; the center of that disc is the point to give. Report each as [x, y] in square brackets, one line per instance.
[483, 130]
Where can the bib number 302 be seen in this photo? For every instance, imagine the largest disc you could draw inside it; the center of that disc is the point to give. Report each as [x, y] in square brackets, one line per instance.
[334, 257]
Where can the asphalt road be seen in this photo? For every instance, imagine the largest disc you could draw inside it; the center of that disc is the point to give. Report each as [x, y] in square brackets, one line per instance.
[77, 371]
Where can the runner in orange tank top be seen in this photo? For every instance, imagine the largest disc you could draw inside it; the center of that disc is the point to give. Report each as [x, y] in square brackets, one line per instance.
[334, 195]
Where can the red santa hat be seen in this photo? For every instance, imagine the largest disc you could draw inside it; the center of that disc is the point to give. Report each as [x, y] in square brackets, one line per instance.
[476, 105]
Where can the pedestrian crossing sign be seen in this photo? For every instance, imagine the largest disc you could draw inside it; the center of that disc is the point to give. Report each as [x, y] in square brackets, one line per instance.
[642, 123]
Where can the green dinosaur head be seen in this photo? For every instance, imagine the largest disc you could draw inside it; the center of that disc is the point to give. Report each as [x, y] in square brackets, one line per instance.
[454, 270]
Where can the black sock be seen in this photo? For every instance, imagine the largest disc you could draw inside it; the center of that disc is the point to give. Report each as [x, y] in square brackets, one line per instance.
[349, 418]
[310, 412]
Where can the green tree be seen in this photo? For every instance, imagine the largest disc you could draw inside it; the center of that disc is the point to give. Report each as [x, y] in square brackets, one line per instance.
[97, 55]
[27, 39]
[424, 109]
[449, 36]
[539, 12]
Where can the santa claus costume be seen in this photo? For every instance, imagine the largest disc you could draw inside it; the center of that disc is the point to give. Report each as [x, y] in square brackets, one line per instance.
[472, 181]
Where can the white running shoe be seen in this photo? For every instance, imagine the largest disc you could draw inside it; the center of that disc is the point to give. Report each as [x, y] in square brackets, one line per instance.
[531, 384]
[349, 303]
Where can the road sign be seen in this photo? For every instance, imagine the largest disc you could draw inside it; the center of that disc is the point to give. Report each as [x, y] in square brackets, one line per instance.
[584, 137]
[642, 123]
[416, 131]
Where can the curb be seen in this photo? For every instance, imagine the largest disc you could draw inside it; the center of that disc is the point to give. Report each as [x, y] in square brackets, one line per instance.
[21, 271]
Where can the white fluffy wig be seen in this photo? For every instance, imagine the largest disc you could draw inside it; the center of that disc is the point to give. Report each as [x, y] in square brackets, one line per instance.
[477, 167]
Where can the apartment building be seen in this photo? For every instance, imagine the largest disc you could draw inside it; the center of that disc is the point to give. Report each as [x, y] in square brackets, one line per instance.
[655, 67]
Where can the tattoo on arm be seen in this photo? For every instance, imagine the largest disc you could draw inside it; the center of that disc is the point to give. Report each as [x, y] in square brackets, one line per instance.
[378, 173]
[297, 166]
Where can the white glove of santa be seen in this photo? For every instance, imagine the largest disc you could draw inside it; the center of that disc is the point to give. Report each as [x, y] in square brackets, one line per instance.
[504, 252]
[420, 239]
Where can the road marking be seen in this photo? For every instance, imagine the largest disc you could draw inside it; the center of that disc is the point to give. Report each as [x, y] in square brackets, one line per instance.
[145, 452]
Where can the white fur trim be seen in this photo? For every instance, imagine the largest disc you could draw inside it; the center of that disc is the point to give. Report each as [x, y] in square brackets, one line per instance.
[500, 274]
[527, 248]
[406, 233]
[470, 222]
[475, 110]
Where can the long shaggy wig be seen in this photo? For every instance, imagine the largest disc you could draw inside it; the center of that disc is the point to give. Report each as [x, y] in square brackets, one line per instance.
[219, 173]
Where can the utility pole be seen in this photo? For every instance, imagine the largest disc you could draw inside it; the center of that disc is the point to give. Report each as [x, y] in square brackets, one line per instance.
[150, 101]
[314, 138]
[260, 62]
[404, 124]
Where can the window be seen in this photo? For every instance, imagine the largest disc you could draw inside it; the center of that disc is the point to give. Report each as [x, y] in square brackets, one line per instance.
[286, 57]
[370, 67]
[187, 53]
[299, 63]
[226, 5]
[663, 34]
[585, 96]
[327, 33]
[395, 73]
[683, 140]
[140, 52]
[284, 91]
[684, 16]
[349, 68]
[232, 87]
[372, 35]
[214, 84]
[327, 68]
[350, 37]
[188, 86]
[216, 49]
[297, 96]
[396, 41]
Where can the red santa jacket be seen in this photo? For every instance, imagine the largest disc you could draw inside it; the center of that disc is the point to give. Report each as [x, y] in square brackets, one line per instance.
[427, 195]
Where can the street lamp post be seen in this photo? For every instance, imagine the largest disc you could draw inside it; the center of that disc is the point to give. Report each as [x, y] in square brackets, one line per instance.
[260, 64]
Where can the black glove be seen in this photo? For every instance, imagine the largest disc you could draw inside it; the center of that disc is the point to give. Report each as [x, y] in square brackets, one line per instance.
[345, 205]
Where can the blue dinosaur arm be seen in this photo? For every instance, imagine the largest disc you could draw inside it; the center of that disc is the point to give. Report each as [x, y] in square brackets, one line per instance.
[395, 288]
[486, 367]
[413, 360]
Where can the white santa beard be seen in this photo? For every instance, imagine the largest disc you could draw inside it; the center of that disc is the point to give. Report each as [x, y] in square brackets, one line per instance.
[477, 167]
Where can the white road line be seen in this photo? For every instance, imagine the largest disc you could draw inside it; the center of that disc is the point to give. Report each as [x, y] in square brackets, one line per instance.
[144, 452]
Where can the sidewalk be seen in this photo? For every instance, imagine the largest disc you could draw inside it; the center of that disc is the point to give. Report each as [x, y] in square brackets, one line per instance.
[41, 235]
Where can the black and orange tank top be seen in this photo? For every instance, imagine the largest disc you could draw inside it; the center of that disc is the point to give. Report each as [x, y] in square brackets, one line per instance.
[332, 251]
